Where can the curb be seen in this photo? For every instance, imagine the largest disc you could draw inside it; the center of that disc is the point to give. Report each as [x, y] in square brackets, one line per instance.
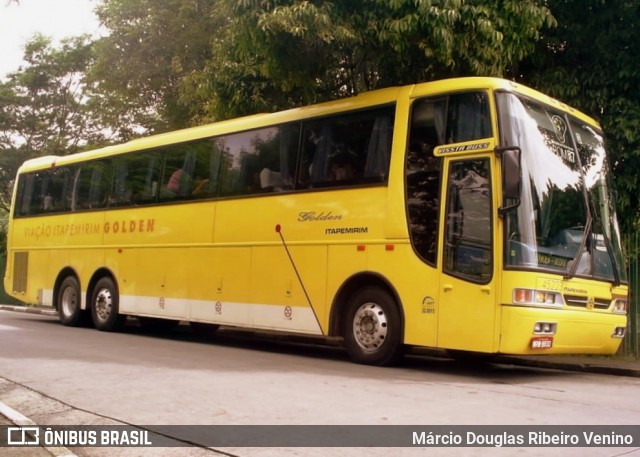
[29, 309]
[572, 366]
[23, 421]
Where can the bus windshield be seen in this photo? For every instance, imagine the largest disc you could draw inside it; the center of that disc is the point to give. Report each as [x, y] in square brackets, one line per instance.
[565, 221]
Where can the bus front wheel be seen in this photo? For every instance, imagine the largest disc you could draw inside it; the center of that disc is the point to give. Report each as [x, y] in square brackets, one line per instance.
[372, 329]
[68, 303]
[104, 306]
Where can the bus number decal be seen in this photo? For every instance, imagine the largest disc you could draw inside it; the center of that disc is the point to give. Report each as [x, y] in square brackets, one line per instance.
[428, 305]
[549, 284]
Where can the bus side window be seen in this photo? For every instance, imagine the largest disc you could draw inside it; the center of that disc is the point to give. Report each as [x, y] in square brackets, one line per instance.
[239, 174]
[135, 179]
[25, 196]
[317, 150]
[206, 169]
[346, 150]
[46, 191]
[179, 171]
[468, 117]
[191, 170]
[423, 177]
[276, 151]
[60, 188]
[258, 161]
[91, 186]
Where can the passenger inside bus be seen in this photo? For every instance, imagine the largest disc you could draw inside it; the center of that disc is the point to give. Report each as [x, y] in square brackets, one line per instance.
[175, 181]
[182, 184]
[270, 181]
[342, 170]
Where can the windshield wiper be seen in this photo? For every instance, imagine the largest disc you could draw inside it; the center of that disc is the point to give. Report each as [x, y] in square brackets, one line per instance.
[609, 247]
[583, 244]
[614, 262]
[588, 238]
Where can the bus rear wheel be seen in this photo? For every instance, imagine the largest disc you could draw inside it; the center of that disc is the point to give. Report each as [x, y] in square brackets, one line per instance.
[372, 328]
[104, 306]
[68, 303]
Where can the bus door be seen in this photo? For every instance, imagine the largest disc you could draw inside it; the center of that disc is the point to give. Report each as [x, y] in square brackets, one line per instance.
[467, 311]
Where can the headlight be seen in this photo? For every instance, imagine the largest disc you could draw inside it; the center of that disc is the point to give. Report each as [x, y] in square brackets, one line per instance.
[620, 305]
[536, 297]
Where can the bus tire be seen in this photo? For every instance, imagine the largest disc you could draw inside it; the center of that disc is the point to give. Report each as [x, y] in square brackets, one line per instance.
[372, 328]
[68, 303]
[104, 306]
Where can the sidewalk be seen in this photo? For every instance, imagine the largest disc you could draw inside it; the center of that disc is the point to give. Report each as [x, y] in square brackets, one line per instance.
[612, 365]
[12, 418]
[26, 451]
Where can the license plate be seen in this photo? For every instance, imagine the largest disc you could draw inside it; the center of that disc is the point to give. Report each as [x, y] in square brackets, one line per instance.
[541, 342]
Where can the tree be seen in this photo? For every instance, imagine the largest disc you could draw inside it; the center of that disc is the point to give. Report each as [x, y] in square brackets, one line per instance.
[274, 54]
[591, 62]
[179, 62]
[45, 107]
[152, 46]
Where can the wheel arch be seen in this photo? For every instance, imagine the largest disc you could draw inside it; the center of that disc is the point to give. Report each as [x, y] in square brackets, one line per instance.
[64, 273]
[346, 291]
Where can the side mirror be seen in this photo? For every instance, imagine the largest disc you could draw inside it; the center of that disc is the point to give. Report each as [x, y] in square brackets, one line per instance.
[511, 177]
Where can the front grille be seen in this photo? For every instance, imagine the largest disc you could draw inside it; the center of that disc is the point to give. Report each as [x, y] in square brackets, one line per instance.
[20, 269]
[582, 302]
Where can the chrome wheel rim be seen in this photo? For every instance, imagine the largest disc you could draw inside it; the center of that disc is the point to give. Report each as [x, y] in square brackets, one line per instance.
[103, 304]
[370, 327]
[69, 301]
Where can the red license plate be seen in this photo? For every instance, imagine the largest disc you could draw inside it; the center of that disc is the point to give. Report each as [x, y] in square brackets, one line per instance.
[541, 342]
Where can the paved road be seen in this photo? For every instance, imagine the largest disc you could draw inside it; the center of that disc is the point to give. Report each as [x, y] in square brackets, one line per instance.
[58, 375]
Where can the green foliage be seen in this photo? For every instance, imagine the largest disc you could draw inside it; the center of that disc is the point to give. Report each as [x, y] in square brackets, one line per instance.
[281, 53]
[45, 107]
[591, 62]
[170, 63]
[152, 46]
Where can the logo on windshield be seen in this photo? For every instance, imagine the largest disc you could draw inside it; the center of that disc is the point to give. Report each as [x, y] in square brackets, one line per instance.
[560, 127]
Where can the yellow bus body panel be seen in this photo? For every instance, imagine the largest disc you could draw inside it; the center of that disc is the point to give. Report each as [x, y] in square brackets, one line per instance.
[578, 332]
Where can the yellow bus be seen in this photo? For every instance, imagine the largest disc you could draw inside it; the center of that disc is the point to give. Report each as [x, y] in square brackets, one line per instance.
[469, 214]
